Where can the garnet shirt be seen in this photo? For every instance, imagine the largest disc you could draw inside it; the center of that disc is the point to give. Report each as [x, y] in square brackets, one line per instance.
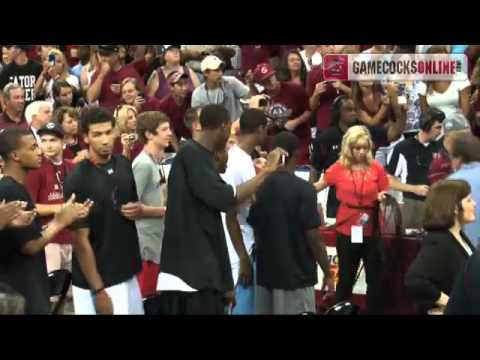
[45, 186]
[107, 98]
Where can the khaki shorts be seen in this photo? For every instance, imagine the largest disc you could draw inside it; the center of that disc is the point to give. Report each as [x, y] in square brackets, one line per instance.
[284, 302]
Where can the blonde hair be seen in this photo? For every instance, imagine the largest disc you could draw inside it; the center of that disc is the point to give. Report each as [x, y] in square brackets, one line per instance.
[66, 67]
[353, 136]
[121, 118]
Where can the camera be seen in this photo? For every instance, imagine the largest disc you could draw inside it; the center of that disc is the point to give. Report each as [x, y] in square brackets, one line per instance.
[51, 59]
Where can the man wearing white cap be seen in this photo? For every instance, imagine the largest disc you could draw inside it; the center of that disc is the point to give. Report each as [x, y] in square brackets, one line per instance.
[219, 89]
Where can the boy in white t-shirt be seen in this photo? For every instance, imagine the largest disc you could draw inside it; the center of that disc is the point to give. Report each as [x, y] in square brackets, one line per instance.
[240, 169]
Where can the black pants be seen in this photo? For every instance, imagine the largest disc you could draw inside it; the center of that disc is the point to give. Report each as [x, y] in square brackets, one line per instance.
[349, 256]
[203, 302]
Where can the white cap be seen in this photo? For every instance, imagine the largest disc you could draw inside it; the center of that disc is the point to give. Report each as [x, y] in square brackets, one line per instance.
[211, 62]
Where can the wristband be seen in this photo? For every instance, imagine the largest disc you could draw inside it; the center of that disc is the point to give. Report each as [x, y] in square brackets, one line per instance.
[96, 292]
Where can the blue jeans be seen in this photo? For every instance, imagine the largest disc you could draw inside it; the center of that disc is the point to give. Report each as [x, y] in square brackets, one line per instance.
[245, 296]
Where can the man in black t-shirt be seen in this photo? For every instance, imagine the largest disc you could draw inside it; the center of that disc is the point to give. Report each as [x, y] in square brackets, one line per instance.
[21, 71]
[22, 255]
[410, 161]
[106, 248]
[286, 224]
[327, 145]
[195, 265]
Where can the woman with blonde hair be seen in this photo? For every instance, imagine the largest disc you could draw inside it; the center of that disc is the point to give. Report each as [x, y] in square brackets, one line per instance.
[54, 68]
[127, 142]
[361, 182]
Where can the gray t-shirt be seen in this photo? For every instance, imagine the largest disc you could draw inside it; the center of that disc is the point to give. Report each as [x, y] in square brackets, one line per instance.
[228, 95]
[151, 193]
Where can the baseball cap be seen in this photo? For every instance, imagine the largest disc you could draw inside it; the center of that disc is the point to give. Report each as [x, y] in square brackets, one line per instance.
[51, 128]
[456, 122]
[108, 49]
[211, 62]
[169, 47]
[176, 76]
[262, 72]
[24, 47]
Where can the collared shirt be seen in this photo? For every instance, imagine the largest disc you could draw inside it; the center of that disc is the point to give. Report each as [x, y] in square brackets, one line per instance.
[6, 122]
[410, 162]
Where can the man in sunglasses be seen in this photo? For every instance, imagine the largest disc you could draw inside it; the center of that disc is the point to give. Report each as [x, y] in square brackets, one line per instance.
[45, 186]
[154, 131]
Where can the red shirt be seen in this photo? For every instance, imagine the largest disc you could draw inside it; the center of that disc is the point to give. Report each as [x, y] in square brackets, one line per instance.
[362, 191]
[72, 61]
[71, 150]
[107, 98]
[176, 114]
[252, 55]
[440, 167]
[294, 97]
[6, 122]
[45, 186]
[324, 110]
[136, 149]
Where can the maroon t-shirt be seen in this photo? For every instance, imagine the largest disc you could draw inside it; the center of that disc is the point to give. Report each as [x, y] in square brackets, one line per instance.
[136, 149]
[294, 97]
[324, 110]
[45, 186]
[71, 150]
[164, 88]
[252, 55]
[107, 98]
[6, 122]
[176, 114]
[150, 104]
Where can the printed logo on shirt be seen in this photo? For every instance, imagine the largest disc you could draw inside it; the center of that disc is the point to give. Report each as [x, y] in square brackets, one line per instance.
[27, 82]
[54, 196]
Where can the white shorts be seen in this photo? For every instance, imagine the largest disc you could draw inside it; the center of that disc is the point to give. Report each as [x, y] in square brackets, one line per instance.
[59, 257]
[126, 299]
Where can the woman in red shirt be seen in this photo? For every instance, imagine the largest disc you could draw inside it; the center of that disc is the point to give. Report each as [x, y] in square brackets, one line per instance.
[360, 182]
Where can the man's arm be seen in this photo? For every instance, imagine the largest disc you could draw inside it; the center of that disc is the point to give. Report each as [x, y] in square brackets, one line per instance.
[69, 213]
[396, 184]
[294, 123]
[395, 129]
[319, 250]
[233, 227]
[95, 89]
[48, 209]
[86, 258]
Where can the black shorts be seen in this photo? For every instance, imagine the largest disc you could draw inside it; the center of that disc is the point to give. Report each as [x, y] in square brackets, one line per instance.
[203, 302]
